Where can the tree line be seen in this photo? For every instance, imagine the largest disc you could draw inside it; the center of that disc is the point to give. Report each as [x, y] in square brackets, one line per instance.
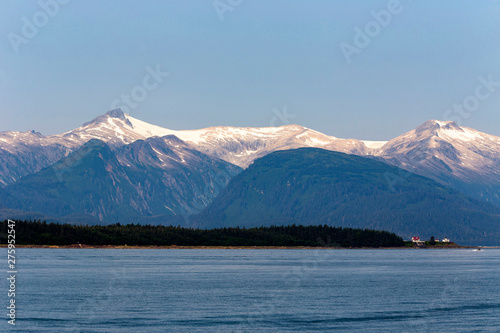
[43, 233]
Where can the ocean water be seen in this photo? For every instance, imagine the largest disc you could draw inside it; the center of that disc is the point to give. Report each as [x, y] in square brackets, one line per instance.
[113, 290]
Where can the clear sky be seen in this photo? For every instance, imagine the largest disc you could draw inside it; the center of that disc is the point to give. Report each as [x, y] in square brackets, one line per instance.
[352, 69]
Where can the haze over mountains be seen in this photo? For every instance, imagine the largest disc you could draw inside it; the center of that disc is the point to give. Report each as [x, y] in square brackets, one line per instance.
[136, 171]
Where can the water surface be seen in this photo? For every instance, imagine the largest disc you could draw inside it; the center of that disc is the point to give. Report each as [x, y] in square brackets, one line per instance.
[175, 290]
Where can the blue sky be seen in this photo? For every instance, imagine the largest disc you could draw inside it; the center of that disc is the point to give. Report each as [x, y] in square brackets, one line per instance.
[252, 63]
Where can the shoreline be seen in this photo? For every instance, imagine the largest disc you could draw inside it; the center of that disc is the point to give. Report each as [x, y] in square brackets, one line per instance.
[175, 247]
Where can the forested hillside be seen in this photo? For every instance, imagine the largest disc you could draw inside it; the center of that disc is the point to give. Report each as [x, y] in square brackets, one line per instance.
[42, 233]
[311, 186]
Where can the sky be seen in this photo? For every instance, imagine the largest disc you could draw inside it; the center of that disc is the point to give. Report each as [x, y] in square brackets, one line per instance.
[352, 69]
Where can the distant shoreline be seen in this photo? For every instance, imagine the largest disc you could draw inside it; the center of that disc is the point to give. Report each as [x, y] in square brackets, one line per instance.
[174, 247]
[37, 234]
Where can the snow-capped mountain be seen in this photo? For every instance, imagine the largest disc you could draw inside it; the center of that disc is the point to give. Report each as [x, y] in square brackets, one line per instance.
[236, 145]
[460, 157]
[185, 179]
[150, 179]
[24, 153]
[241, 146]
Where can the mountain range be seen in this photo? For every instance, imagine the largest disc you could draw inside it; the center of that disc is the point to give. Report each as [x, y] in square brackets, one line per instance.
[311, 186]
[157, 176]
[117, 167]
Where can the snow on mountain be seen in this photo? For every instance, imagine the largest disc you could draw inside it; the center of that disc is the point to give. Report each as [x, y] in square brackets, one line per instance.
[152, 178]
[241, 146]
[447, 146]
[24, 153]
[457, 156]
[374, 144]
[462, 157]
[237, 145]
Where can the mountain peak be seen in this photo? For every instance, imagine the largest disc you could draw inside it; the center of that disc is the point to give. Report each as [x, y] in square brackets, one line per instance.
[434, 126]
[94, 143]
[91, 148]
[294, 127]
[116, 113]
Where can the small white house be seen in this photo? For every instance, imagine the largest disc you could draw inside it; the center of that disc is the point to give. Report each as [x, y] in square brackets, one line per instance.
[446, 240]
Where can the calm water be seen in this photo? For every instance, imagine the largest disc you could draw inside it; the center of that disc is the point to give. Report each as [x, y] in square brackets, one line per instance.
[74, 290]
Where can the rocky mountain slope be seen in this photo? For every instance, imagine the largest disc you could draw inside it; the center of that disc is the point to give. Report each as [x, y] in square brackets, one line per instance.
[29, 152]
[24, 153]
[460, 157]
[147, 178]
[236, 145]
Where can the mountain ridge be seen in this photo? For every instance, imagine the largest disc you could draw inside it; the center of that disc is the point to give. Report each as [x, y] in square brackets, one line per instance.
[458, 157]
[147, 178]
[310, 186]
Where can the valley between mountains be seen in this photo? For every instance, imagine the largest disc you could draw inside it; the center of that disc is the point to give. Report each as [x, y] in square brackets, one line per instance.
[439, 179]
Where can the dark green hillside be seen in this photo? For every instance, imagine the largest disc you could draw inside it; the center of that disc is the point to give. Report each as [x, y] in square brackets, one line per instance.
[131, 184]
[85, 182]
[313, 186]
